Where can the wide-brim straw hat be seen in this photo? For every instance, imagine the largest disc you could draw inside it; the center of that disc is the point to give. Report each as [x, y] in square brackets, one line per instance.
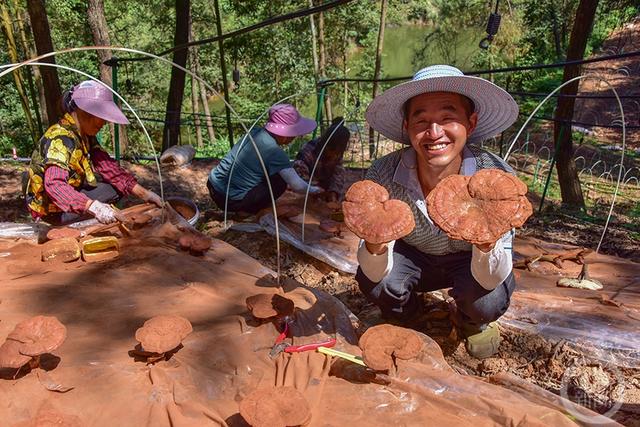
[497, 110]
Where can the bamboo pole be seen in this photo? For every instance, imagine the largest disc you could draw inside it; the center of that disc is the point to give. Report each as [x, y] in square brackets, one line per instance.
[7, 27]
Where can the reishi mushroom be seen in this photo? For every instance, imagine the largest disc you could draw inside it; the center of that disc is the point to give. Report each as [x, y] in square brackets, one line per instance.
[265, 306]
[163, 333]
[196, 244]
[30, 339]
[275, 407]
[330, 226]
[481, 208]
[62, 232]
[372, 216]
[382, 344]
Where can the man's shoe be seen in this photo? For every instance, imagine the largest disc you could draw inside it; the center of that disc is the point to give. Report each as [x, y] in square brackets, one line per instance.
[481, 343]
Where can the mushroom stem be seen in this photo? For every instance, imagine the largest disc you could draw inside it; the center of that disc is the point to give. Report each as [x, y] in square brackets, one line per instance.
[18, 372]
[584, 272]
[34, 362]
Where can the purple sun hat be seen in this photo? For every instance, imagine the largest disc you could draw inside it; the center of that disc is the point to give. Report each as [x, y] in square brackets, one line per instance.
[285, 120]
[96, 99]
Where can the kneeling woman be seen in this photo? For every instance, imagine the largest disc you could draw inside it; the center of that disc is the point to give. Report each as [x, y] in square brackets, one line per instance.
[63, 185]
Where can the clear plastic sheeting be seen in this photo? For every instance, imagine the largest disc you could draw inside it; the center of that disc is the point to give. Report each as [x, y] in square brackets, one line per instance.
[338, 252]
[603, 324]
[225, 357]
[36, 232]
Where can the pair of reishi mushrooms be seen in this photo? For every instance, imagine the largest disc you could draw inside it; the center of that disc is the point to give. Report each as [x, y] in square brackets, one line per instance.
[478, 209]
[40, 335]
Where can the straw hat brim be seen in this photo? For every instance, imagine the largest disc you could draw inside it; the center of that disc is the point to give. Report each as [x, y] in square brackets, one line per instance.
[496, 109]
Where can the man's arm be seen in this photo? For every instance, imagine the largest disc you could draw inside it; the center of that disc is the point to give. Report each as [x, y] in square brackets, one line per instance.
[376, 265]
[492, 268]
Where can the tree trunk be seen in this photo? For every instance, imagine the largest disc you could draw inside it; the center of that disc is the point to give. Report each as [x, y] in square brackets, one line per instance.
[323, 64]
[566, 167]
[42, 37]
[31, 72]
[314, 48]
[12, 50]
[195, 103]
[557, 37]
[203, 95]
[223, 69]
[171, 134]
[376, 72]
[30, 52]
[195, 106]
[100, 32]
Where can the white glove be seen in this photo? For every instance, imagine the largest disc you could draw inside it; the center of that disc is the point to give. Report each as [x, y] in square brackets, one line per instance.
[151, 197]
[315, 190]
[147, 195]
[102, 212]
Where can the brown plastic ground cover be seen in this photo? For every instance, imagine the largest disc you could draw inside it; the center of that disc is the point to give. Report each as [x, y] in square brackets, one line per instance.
[275, 407]
[371, 215]
[163, 333]
[481, 208]
[47, 416]
[227, 356]
[382, 344]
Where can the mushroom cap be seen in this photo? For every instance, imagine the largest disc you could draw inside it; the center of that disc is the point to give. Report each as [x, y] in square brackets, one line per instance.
[39, 335]
[264, 306]
[196, 243]
[370, 215]
[382, 343]
[302, 298]
[141, 218]
[10, 356]
[275, 407]
[62, 232]
[200, 244]
[185, 241]
[163, 333]
[481, 208]
[288, 211]
[65, 249]
[331, 226]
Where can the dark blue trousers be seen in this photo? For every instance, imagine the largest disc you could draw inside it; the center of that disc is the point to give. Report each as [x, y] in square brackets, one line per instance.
[414, 271]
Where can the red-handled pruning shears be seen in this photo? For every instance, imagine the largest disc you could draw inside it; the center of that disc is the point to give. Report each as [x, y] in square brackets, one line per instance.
[281, 346]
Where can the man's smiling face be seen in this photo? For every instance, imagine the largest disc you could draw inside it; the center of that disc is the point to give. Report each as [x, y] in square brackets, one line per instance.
[438, 125]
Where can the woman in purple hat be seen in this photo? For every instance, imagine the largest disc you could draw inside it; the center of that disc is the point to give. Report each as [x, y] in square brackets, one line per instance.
[248, 190]
[70, 176]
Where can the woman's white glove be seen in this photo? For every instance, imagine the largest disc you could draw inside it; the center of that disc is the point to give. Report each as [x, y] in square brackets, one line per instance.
[104, 213]
[151, 197]
[147, 196]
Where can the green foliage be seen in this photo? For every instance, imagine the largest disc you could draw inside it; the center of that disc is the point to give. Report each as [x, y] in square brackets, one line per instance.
[277, 61]
[217, 149]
